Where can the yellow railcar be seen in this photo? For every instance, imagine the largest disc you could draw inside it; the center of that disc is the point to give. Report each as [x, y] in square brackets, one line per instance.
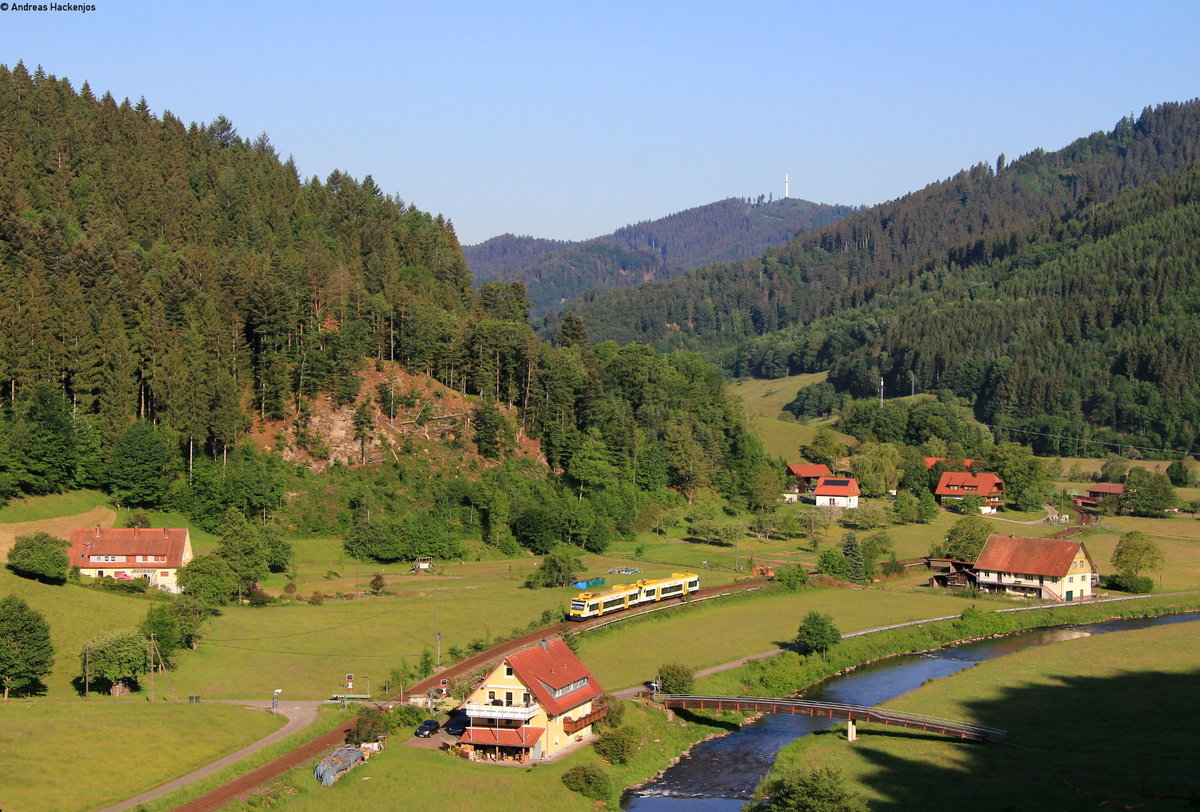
[622, 596]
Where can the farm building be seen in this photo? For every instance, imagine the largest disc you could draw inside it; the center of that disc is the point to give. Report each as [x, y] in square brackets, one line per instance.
[1048, 569]
[125, 553]
[532, 705]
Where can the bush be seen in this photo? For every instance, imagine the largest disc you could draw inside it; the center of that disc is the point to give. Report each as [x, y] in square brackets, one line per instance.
[791, 576]
[1135, 584]
[618, 746]
[674, 678]
[616, 711]
[260, 598]
[316, 599]
[40, 556]
[589, 781]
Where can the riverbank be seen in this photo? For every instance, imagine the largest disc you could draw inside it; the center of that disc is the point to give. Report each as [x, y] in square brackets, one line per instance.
[1090, 724]
[788, 672]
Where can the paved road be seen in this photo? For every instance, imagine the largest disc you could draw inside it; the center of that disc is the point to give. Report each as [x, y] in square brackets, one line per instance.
[300, 714]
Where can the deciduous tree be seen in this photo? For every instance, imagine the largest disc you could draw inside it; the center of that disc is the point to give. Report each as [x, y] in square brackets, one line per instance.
[1134, 553]
[817, 633]
[26, 653]
[41, 556]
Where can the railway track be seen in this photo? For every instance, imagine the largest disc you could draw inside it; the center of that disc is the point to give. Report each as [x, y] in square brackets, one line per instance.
[244, 786]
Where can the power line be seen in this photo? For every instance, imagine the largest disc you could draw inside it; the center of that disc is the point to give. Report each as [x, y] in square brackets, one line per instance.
[1088, 441]
[312, 653]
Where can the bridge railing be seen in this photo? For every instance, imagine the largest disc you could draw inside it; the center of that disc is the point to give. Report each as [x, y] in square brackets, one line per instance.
[862, 713]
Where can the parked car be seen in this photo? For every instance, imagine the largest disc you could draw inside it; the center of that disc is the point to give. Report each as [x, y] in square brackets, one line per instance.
[428, 728]
[456, 725]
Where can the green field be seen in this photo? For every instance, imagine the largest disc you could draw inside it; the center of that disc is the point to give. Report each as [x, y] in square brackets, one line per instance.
[764, 401]
[1089, 727]
[716, 633]
[35, 508]
[127, 747]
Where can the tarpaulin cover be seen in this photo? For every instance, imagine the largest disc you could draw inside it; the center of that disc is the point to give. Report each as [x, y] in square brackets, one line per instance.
[337, 763]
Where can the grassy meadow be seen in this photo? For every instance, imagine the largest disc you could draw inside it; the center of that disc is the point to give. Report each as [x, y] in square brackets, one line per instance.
[404, 777]
[764, 402]
[148, 745]
[1074, 711]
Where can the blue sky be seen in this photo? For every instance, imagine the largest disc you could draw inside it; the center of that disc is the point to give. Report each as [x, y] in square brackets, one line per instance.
[567, 120]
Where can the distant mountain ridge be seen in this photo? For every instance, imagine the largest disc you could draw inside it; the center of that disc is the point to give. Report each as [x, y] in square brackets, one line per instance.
[555, 272]
[840, 266]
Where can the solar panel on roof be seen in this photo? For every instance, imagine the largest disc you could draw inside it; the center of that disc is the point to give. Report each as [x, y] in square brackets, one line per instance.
[838, 482]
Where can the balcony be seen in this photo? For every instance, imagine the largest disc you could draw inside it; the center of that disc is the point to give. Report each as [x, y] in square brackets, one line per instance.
[520, 713]
[572, 725]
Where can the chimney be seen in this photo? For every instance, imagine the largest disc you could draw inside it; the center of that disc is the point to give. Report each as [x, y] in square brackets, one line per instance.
[165, 534]
[544, 646]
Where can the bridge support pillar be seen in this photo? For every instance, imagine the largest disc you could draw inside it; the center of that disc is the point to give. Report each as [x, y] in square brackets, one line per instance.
[851, 731]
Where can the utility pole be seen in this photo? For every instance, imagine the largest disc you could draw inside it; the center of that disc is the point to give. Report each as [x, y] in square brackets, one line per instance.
[881, 391]
[437, 633]
[150, 653]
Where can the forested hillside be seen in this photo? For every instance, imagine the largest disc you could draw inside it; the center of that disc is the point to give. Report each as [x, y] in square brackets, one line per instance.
[1072, 330]
[841, 266]
[168, 288]
[732, 229]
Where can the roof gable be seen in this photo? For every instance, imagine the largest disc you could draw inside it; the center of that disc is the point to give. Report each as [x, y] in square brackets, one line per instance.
[839, 486]
[1030, 556]
[173, 543]
[551, 666]
[808, 470]
[956, 483]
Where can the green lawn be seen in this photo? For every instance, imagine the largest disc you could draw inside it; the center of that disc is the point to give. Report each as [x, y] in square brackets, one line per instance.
[719, 632]
[36, 508]
[75, 614]
[86, 755]
[1087, 723]
[403, 777]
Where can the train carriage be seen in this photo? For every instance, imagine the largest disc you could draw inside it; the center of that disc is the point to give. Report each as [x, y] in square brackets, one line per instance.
[623, 596]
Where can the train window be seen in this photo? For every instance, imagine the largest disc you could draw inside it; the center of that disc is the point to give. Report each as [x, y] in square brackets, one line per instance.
[694, 584]
[592, 607]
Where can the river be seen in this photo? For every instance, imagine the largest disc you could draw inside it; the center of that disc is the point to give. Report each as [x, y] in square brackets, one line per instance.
[719, 775]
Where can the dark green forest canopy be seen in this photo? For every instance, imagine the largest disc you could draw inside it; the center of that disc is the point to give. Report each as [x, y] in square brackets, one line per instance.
[733, 229]
[1052, 293]
[840, 266]
[185, 278]
[1088, 330]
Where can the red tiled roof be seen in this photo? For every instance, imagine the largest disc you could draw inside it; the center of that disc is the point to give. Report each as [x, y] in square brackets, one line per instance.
[524, 736]
[128, 541]
[808, 470]
[957, 483]
[836, 486]
[1107, 487]
[549, 666]
[1028, 555]
[932, 461]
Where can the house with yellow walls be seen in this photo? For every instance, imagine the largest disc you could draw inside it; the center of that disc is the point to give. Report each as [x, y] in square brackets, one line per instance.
[126, 553]
[1048, 569]
[532, 706]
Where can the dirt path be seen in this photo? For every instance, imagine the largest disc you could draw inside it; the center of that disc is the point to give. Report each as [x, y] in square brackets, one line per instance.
[60, 526]
[299, 715]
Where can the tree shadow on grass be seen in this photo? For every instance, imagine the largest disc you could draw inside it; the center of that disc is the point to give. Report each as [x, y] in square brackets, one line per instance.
[1127, 741]
[706, 542]
[702, 718]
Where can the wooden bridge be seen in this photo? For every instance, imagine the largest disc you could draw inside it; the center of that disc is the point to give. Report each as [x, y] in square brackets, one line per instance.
[834, 710]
